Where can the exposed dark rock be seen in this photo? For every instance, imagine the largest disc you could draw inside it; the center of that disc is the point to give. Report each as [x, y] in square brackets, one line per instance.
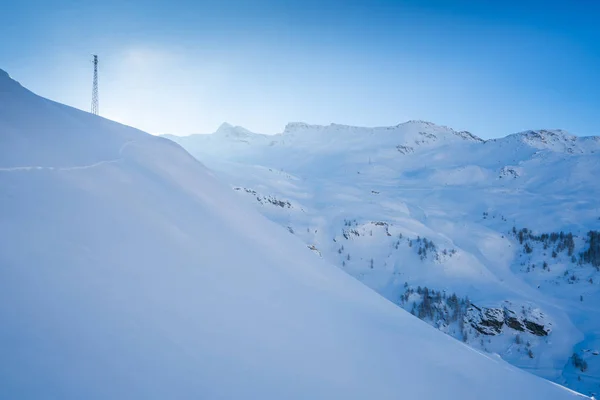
[536, 329]
[487, 321]
[512, 320]
[514, 323]
[405, 149]
[490, 321]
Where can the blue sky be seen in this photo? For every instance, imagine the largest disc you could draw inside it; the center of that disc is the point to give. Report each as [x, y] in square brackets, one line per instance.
[183, 67]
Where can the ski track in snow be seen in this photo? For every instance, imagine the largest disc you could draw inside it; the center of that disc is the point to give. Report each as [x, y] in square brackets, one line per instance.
[74, 168]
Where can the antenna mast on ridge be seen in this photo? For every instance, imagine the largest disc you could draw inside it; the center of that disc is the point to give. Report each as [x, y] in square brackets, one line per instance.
[95, 88]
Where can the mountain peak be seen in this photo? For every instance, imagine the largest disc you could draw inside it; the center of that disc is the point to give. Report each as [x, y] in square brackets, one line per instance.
[227, 129]
[430, 126]
[419, 122]
[414, 126]
[224, 126]
[552, 139]
[6, 81]
[299, 126]
[547, 134]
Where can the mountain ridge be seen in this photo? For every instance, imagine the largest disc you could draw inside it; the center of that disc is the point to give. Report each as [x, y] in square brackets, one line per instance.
[292, 127]
[416, 205]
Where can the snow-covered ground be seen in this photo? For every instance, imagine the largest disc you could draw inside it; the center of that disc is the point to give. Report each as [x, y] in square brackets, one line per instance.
[420, 205]
[127, 270]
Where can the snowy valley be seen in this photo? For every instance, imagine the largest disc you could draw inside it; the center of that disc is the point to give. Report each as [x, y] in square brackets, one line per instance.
[494, 242]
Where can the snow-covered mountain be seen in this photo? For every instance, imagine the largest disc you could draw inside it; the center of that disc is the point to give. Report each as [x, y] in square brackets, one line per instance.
[128, 271]
[486, 240]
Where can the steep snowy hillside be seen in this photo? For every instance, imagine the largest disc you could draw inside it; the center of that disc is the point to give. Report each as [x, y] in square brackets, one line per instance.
[128, 271]
[432, 219]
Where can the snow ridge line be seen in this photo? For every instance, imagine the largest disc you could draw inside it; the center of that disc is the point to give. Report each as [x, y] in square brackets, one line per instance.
[75, 168]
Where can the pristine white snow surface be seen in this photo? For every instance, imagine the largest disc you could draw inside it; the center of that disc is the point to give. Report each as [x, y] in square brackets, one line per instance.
[127, 271]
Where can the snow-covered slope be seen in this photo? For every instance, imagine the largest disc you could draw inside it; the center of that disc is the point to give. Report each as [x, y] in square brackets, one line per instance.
[420, 205]
[128, 271]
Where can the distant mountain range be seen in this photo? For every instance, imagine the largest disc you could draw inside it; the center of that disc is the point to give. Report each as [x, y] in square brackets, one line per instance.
[491, 241]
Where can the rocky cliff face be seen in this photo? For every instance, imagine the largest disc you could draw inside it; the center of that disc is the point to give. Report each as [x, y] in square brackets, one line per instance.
[491, 321]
